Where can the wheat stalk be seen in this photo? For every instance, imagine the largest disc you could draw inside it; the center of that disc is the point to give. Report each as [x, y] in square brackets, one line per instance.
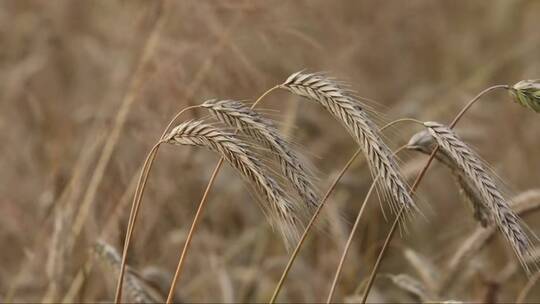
[425, 143]
[238, 154]
[251, 123]
[137, 290]
[505, 218]
[346, 109]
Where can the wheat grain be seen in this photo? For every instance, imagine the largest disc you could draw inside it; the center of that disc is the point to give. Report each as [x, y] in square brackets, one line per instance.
[425, 143]
[238, 154]
[346, 109]
[507, 221]
[251, 123]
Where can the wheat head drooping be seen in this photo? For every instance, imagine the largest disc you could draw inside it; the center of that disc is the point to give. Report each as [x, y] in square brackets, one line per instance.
[505, 218]
[349, 112]
[238, 154]
[261, 129]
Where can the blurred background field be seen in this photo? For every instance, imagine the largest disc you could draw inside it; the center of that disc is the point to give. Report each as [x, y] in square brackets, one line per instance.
[86, 88]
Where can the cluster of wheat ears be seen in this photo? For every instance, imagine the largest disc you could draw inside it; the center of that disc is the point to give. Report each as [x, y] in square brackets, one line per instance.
[291, 201]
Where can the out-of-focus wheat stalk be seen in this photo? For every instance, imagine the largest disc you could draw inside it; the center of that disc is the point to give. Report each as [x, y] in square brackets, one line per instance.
[413, 287]
[129, 98]
[527, 288]
[522, 204]
[197, 80]
[137, 290]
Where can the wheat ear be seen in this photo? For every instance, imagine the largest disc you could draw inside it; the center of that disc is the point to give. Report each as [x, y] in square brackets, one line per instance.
[251, 123]
[467, 160]
[425, 143]
[238, 154]
[347, 110]
[415, 185]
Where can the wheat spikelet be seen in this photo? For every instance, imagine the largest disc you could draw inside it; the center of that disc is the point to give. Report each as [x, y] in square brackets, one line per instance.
[505, 218]
[346, 109]
[527, 94]
[238, 154]
[251, 123]
[425, 143]
[137, 291]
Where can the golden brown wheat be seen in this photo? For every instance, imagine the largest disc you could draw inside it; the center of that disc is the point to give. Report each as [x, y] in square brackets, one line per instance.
[425, 143]
[239, 155]
[251, 123]
[346, 109]
[506, 219]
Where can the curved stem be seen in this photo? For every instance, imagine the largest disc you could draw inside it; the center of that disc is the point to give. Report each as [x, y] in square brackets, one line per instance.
[198, 214]
[316, 215]
[354, 228]
[417, 182]
[132, 216]
[474, 100]
[137, 201]
[390, 124]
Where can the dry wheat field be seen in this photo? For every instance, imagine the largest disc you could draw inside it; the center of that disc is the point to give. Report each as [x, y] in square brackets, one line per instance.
[311, 151]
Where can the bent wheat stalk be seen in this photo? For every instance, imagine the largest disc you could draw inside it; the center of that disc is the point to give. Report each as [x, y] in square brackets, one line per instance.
[138, 290]
[251, 123]
[527, 288]
[416, 183]
[137, 199]
[522, 204]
